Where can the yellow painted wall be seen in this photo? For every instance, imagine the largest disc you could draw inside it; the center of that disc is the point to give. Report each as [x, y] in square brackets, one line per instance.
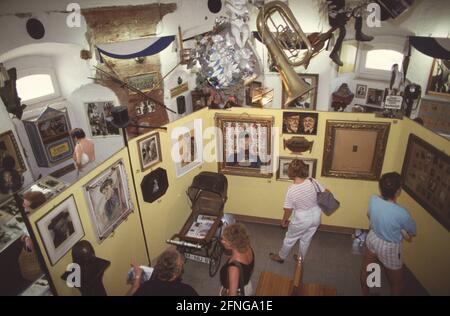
[125, 243]
[428, 256]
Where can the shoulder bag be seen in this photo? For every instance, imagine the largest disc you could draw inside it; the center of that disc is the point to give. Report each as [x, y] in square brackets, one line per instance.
[326, 200]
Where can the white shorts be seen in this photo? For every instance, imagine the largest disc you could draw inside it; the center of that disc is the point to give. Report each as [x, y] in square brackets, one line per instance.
[389, 253]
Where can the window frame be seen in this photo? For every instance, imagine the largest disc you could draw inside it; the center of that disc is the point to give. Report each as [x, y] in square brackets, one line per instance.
[21, 73]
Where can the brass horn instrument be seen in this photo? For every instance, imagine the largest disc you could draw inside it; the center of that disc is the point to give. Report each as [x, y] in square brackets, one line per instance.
[288, 46]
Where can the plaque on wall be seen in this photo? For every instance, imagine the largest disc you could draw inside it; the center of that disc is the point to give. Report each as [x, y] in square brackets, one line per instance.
[426, 177]
[49, 136]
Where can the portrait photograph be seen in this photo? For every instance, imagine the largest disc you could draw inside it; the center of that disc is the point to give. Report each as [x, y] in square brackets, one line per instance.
[52, 128]
[60, 229]
[109, 201]
[375, 97]
[245, 145]
[143, 82]
[145, 107]
[188, 145]
[100, 118]
[307, 102]
[361, 91]
[154, 185]
[439, 79]
[283, 165]
[300, 123]
[150, 151]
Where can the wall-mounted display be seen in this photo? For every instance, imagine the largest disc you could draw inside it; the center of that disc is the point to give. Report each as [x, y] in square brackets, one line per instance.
[251, 90]
[426, 177]
[300, 123]
[9, 147]
[145, 107]
[435, 115]
[143, 82]
[154, 185]
[60, 229]
[245, 145]
[375, 97]
[308, 102]
[49, 137]
[298, 144]
[354, 150]
[283, 165]
[109, 201]
[439, 80]
[149, 151]
[99, 119]
[199, 100]
[187, 147]
[361, 91]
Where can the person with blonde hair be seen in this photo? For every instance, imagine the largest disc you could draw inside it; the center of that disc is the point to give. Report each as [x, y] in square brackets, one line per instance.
[301, 204]
[235, 274]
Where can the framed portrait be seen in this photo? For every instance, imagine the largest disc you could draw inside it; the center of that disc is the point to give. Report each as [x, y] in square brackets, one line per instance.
[426, 177]
[145, 107]
[99, 118]
[283, 165]
[375, 97]
[60, 229]
[109, 202]
[300, 123]
[245, 145]
[187, 143]
[354, 150]
[309, 102]
[149, 151]
[9, 147]
[361, 91]
[154, 185]
[143, 82]
[439, 79]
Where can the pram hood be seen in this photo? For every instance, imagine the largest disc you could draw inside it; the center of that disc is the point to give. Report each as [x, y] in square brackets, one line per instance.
[208, 193]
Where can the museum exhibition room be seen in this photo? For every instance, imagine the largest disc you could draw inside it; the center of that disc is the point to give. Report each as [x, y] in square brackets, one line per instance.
[225, 148]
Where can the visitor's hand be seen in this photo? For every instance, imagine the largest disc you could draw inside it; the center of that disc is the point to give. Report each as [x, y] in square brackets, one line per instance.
[284, 223]
[406, 236]
[137, 270]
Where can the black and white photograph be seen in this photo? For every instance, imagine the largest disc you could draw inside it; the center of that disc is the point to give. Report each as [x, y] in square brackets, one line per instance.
[375, 96]
[154, 185]
[100, 119]
[145, 107]
[149, 151]
[60, 229]
[283, 166]
[361, 91]
[108, 200]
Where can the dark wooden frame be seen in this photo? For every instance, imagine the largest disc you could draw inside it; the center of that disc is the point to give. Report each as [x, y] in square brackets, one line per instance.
[408, 162]
[428, 91]
[265, 121]
[314, 82]
[158, 148]
[20, 164]
[382, 130]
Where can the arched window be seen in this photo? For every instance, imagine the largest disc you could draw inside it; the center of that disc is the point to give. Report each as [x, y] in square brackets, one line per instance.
[383, 59]
[36, 85]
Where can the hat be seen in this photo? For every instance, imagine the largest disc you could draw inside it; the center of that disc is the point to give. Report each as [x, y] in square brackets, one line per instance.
[120, 118]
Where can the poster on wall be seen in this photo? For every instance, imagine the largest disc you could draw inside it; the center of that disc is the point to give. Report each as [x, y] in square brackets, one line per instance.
[187, 147]
[60, 229]
[426, 177]
[100, 118]
[109, 201]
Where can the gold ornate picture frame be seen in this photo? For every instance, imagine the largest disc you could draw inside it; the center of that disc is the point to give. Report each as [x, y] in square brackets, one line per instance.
[354, 150]
[245, 145]
[9, 146]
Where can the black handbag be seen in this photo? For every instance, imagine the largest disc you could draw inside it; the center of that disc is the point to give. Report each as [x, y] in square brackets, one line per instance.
[326, 200]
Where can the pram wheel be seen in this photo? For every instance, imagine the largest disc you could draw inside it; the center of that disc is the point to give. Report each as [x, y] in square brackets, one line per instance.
[215, 258]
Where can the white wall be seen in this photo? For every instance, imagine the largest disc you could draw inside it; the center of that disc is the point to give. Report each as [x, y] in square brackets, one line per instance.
[104, 146]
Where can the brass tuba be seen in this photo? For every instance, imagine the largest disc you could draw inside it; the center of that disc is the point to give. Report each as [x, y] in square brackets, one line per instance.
[288, 46]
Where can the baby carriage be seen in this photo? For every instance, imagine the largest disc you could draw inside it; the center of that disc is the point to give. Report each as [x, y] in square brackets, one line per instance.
[199, 239]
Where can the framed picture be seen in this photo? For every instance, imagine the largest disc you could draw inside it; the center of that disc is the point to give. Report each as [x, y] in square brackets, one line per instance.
[108, 199]
[283, 165]
[354, 150]
[150, 151]
[187, 147]
[199, 100]
[145, 107]
[375, 97]
[439, 79]
[154, 185]
[60, 229]
[361, 91]
[426, 177]
[143, 82]
[9, 147]
[300, 123]
[100, 118]
[245, 145]
[310, 101]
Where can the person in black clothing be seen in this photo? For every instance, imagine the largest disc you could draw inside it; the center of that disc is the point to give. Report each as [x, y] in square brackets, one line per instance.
[166, 278]
[236, 272]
